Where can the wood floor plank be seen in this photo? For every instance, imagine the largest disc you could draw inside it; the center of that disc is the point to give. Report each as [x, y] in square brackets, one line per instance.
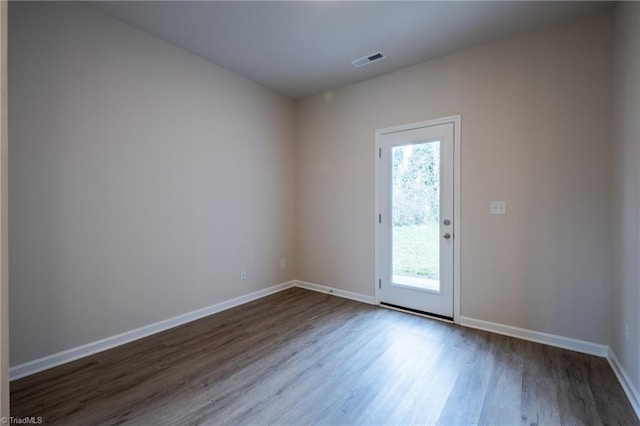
[434, 386]
[503, 402]
[414, 389]
[466, 400]
[322, 358]
[338, 371]
[300, 357]
[539, 401]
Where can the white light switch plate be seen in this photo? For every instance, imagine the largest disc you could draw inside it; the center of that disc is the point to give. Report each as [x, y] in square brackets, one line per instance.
[498, 207]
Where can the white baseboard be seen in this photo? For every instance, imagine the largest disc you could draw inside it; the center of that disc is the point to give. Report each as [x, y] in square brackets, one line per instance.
[537, 336]
[632, 393]
[35, 366]
[336, 292]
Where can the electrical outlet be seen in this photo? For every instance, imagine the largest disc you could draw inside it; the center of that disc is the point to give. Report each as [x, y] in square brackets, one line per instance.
[626, 331]
[243, 274]
[283, 263]
[498, 207]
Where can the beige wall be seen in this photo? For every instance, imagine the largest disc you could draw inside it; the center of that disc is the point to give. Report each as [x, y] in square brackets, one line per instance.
[535, 132]
[626, 188]
[142, 179]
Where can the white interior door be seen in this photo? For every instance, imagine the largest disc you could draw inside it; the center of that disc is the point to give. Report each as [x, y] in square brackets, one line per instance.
[416, 229]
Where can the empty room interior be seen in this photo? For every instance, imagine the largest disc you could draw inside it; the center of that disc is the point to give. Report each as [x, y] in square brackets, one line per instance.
[320, 212]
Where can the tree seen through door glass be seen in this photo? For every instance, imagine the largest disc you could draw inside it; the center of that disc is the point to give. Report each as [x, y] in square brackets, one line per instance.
[416, 215]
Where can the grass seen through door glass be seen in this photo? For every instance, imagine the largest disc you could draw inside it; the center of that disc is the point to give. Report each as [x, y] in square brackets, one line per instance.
[415, 250]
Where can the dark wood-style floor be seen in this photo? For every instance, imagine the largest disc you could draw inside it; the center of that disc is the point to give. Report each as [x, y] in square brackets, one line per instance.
[300, 357]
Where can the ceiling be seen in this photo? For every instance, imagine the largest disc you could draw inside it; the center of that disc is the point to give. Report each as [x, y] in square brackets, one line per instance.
[304, 48]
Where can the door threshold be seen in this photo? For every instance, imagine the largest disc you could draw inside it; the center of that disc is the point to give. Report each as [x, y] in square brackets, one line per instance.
[417, 312]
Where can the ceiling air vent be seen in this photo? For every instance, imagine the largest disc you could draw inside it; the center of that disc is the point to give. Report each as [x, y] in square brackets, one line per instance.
[366, 60]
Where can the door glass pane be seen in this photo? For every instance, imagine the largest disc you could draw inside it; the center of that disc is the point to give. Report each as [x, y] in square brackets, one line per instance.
[415, 235]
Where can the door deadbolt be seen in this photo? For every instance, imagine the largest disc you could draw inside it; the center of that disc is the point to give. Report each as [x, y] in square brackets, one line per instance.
[446, 235]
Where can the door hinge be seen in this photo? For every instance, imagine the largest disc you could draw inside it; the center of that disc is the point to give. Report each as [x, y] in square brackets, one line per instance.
[379, 283]
[379, 152]
[379, 218]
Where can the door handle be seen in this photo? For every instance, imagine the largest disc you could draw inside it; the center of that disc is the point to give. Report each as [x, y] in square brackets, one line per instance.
[446, 235]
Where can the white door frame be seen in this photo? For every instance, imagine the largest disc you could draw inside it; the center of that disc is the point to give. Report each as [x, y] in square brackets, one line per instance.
[455, 119]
